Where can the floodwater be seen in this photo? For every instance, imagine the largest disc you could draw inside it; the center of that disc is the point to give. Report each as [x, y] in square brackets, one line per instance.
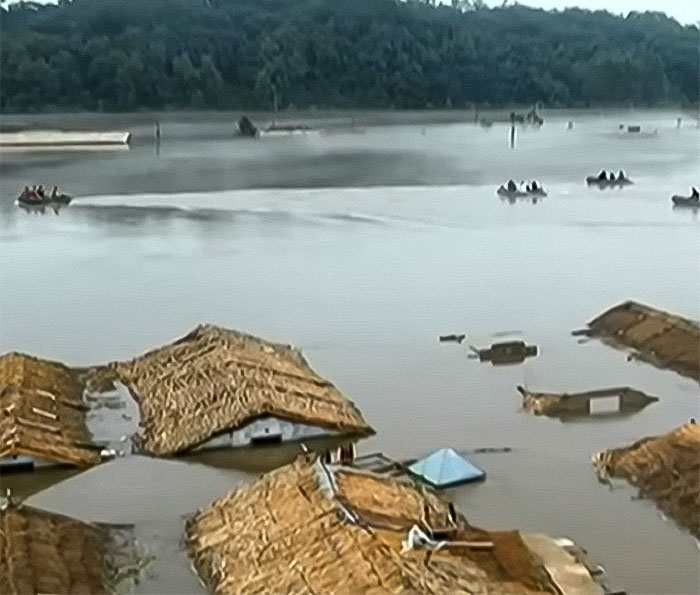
[361, 245]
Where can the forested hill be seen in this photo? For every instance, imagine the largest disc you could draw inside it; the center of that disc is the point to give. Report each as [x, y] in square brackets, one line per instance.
[156, 54]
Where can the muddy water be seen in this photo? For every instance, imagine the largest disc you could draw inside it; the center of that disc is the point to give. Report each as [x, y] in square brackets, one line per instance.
[361, 247]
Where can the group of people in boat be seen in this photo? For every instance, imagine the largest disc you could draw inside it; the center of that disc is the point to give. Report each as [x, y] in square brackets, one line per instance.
[38, 194]
[604, 176]
[533, 187]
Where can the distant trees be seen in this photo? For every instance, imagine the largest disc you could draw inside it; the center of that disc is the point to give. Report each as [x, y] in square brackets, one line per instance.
[126, 54]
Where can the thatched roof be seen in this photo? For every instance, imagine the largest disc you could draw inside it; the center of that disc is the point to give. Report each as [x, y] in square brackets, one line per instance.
[44, 552]
[216, 380]
[665, 339]
[312, 528]
[42, 413]
[664, 468]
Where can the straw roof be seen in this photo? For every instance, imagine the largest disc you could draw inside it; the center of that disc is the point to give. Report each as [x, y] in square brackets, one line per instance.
[664, 468]
[42, 412]
[50, 553]
[216, 380]
[312, 528]
[665, 339]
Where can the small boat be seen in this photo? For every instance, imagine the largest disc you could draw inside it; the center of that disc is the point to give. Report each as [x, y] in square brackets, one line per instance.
[46, 200]
[692, 201]
[603, 181]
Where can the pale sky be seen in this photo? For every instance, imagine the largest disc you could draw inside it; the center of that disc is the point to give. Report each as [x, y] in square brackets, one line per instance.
[685, 12]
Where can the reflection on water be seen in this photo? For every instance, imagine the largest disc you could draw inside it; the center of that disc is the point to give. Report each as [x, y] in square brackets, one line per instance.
[361, 250]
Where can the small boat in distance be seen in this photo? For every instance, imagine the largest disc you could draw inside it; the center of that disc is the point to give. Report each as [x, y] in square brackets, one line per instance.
[605, 180]
[35, 198]
[692, 201]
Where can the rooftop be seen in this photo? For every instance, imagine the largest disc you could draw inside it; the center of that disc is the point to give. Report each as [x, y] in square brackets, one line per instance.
[311, 527]
[43, 414]
[662, 338]
[216, 380]
[50, 553]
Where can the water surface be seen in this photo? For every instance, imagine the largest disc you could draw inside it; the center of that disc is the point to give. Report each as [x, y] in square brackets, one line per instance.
[361, 247]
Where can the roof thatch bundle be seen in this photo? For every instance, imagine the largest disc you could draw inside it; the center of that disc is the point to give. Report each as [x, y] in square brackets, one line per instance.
[664, 339]
[216, 380]
[44, 552]
[664, 468]
[308, 527]
[42, 413]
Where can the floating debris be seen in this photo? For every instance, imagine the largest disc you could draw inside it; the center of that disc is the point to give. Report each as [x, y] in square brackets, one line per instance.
[50, 553]
[452, 338]
[311, 527]
[604, 402]
[660, 338]
[664, 468]
[214, 381]
[43, 414]
[509, 352]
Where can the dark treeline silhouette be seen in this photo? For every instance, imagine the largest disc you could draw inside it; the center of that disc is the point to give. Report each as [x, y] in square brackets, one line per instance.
[159, 54]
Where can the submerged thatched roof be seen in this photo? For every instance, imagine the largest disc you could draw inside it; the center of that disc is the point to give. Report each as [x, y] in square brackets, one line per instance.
[44, 552]
[665, 339]
[664, 468]
[216, 380]
[42, 413]
[312, 528]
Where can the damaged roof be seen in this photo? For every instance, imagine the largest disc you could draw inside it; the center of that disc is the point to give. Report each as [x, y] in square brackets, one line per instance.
[662, 338]
[309, 527]
[42, 413]
[216, 380]
[44, 552]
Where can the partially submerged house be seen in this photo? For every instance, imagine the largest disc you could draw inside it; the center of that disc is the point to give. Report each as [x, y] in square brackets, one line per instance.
[217, 387]
[664, 468]
[314, 527]
[616, 401]
[661, 338]
[44, 552]
[42, 415]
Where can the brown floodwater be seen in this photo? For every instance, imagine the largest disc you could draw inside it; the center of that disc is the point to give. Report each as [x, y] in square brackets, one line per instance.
[361, 246]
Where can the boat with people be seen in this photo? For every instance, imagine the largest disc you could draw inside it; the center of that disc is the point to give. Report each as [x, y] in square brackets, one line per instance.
[609, 180]
[512, 190]
[38, 196]
[692, 201]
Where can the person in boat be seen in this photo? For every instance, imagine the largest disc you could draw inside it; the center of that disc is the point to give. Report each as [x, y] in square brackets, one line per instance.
[25, 194]
[694, 194]
[40, 191]
[511, 186]
[32, 193]
[621, 176]
[612, 176]
[603, 176]
[535, 186]
[54, 192]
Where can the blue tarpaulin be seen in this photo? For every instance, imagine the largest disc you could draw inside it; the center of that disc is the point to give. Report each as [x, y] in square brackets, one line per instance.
[445, 468]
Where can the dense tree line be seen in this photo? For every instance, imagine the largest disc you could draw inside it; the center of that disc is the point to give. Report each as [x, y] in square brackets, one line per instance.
[156, 54]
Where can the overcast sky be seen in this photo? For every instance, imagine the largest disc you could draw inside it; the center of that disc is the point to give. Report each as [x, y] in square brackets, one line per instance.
[684, 11]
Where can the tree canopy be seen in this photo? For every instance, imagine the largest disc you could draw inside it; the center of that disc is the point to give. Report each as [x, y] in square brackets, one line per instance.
[118, 55]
